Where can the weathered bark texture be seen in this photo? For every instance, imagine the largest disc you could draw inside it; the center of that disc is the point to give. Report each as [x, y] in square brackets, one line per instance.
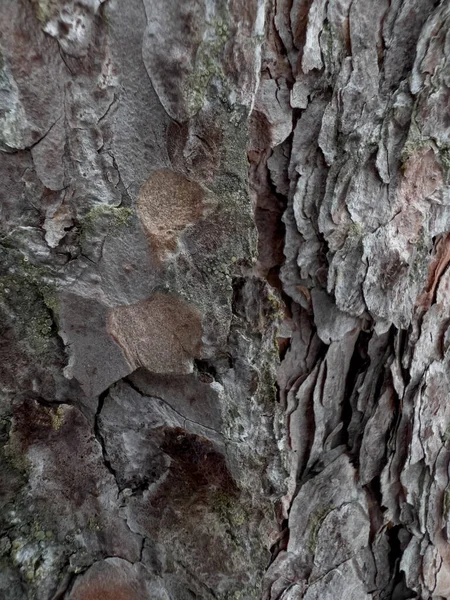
[224, 299]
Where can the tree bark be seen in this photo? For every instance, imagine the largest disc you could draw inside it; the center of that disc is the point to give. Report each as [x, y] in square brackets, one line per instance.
[224, 299]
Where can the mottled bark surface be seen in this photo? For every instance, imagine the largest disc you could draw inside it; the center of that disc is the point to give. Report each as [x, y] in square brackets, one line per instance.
[224, 299]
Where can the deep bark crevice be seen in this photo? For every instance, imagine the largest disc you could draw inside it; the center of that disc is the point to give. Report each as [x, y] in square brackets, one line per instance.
[101, 440]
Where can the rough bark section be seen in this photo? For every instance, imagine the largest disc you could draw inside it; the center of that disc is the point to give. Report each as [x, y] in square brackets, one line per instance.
[349, 168]
[139, 422]
[224, 378]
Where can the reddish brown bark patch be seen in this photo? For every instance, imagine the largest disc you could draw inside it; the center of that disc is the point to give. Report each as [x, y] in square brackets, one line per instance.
[105, 590]
[162, 334]
[422, 176]
[38, 424]
[110, 580]
[196, 463]
[195, 502]
[167, 204]
[436, 269]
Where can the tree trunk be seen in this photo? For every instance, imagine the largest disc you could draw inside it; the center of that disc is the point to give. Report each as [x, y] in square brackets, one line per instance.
[224, 299]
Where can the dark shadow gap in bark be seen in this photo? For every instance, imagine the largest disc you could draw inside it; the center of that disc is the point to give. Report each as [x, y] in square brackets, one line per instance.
[359, 363]
[398, 538]
[100, 439]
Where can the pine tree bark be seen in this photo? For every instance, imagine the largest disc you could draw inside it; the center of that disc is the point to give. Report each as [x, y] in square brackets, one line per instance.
[224, 299]
[361, 183]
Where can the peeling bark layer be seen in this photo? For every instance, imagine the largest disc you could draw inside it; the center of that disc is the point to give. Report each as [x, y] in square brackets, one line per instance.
[224, 299]
[353, 168]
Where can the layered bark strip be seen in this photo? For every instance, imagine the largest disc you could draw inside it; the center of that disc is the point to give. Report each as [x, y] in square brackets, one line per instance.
[224, 299]
[350, 165]
[138, 413]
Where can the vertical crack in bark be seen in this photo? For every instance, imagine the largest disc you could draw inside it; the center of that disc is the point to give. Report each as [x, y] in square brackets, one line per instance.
[100, 439]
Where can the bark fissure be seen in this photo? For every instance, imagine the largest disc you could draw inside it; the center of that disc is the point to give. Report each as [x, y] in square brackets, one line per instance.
[100, 439]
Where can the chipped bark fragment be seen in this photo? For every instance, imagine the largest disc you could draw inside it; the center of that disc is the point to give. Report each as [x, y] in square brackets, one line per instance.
[168, 203]
[116, 579]
[162, 334]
